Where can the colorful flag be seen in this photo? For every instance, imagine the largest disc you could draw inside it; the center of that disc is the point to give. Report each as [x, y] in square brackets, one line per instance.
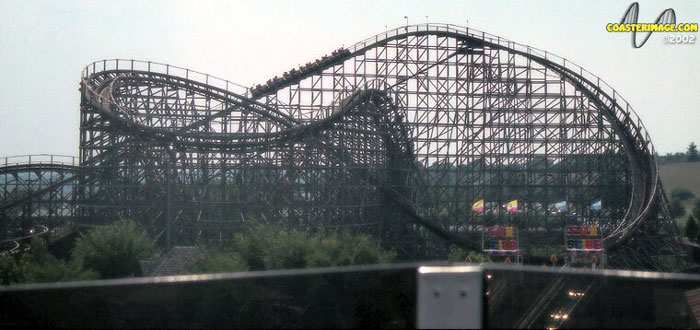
[561, 206]
[512, 206]
[593, 230]
[596, 205]
[478, 206]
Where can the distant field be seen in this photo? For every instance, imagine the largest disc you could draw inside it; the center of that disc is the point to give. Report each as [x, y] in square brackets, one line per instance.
[686, 175]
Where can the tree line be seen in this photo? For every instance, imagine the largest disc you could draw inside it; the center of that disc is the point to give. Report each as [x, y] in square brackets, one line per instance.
[691, 155]
[115, 251]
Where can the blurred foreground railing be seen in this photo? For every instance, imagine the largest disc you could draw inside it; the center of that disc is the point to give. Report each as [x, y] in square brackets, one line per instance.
[406, 295]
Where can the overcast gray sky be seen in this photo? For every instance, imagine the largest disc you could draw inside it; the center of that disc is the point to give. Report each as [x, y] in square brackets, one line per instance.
[45, 44]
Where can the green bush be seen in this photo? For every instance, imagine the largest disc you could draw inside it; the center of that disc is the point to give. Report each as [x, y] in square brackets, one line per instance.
[108, 252]
[342, 249]
[681, 194]
[9, 271]
[676, 208]
[39, 265]
[696, 209]
[670, 263]
[270, 247]
[218, 262]
[692, 229]
[114, 250]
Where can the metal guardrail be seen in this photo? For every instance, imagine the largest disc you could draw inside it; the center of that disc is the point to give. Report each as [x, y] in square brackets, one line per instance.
[436, 295]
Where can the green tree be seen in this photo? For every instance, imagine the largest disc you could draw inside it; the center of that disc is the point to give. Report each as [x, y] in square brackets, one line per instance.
[677, 209]
[219, 262]
[673, 158]
[9, 271]
[114, 250]
[681, 194]
[692, 229]
[693, 152]
[39, 265]
[669, 263]
[271, 247]
[696, 209]
[344, 248]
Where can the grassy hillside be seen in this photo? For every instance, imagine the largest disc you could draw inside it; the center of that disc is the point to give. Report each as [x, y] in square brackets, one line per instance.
[686, 175]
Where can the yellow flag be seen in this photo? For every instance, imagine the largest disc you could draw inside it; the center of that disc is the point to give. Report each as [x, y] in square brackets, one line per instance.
[478, 206]
[509, 231]
[512, 206]
[593, 230]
